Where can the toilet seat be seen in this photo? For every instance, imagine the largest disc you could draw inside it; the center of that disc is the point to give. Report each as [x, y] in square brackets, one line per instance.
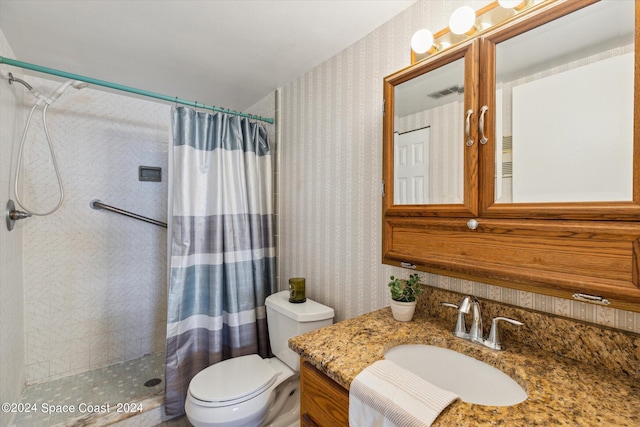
[232, 381]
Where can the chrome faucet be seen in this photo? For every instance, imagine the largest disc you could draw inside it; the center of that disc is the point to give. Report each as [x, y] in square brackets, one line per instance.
[475, 334]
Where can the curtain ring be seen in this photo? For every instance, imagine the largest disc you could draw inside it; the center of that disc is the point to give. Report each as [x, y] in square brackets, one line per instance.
[176, 102]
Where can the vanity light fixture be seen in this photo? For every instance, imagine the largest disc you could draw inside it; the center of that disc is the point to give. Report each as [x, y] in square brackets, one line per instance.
[463, 21]
[422, 42]
[513, 4]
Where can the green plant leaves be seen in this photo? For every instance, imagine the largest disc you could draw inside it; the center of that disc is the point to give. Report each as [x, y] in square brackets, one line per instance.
[405, 290]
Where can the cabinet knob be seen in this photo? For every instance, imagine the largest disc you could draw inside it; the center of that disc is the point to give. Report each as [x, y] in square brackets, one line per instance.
[472, 224]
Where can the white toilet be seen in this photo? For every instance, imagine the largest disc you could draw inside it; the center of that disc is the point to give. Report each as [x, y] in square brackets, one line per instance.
[251, 391]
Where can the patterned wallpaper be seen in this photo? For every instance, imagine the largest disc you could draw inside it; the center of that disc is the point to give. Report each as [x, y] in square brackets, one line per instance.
[330, 180]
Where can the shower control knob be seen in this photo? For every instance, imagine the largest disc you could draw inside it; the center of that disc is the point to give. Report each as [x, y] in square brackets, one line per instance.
[12, 215]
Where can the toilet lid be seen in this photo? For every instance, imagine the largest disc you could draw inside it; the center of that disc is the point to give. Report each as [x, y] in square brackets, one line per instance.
[232, 379]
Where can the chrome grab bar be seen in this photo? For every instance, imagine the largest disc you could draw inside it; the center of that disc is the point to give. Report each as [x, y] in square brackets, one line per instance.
[97, 204]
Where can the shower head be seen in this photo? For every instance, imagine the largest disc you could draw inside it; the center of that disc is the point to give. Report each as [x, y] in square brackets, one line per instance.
[12, 79]
[77, 84]
[38, 95]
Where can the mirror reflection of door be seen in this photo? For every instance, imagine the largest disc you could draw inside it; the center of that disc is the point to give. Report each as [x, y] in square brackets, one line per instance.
[565, 98]
[428, 118]
[411, 186]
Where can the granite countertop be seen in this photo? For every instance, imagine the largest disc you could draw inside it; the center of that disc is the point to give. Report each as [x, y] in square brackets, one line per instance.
[561, 391]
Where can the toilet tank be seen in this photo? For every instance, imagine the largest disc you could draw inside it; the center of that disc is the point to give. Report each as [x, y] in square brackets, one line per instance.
[286, 320]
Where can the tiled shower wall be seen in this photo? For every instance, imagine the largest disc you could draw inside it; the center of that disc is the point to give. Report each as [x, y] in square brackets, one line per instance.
[12, 371]
[94, 281]
[331, 173]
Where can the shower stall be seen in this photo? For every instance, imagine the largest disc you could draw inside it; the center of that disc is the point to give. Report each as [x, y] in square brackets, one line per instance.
[94, 283]
[83, 291]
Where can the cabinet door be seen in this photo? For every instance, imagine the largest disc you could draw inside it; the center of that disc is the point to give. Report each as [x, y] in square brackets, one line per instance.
[323, 402]
[430, 132]
[557, 92]
[559, 258]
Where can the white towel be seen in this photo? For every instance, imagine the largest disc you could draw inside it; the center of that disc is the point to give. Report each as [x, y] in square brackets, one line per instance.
[385, 395]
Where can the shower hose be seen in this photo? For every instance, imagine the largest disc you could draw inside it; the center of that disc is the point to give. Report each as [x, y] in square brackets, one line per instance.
[53, 158]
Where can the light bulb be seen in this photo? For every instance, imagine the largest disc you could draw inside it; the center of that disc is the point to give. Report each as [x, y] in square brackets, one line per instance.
[462, 20]
[422, 41]
[511, 4]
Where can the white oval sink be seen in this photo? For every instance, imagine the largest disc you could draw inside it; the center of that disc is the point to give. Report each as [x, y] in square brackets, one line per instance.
[474, 381]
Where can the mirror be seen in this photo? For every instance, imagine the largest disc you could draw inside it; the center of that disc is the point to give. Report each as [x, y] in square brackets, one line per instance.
[428, 137]
[564, 109]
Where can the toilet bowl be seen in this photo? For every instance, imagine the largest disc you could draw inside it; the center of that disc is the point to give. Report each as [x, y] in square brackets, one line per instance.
[250, 391]
[238, 393]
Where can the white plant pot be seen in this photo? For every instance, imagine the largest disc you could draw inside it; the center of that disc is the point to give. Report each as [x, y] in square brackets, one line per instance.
[403, 311]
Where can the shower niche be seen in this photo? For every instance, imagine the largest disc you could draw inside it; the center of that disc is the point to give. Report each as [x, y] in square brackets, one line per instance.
[149, 173]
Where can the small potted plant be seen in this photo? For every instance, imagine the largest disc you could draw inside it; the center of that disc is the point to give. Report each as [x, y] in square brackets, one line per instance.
[403, 296]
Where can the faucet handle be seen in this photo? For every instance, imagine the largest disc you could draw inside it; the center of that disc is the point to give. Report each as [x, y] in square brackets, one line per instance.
[495, 335]
[465, 303]
[461, 328]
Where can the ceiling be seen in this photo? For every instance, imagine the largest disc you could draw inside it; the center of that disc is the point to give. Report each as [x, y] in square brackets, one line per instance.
[229, 54]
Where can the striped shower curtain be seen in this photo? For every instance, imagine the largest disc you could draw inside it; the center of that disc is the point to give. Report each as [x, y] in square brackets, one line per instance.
[222, 249]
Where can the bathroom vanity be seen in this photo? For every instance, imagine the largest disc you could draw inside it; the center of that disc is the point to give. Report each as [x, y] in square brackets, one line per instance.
[574, 373]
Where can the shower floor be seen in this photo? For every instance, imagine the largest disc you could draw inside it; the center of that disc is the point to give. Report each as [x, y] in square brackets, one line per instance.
[121, 386]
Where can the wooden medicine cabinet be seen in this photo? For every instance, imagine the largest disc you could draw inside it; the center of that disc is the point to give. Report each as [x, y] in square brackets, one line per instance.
[512, 157]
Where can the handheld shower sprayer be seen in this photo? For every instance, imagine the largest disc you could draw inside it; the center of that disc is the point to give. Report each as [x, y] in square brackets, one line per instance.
[13, 214]
[76, 84]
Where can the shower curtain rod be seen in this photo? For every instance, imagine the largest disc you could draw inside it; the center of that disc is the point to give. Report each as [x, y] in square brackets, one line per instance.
[123, 88]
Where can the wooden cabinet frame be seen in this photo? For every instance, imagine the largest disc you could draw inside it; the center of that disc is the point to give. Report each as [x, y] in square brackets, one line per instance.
[470, 52]
[629, 211]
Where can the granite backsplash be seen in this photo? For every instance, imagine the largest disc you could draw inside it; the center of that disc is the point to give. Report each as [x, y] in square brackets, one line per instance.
[611, 349]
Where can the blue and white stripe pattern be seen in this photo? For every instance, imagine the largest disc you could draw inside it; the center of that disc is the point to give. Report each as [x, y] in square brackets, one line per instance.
[222, 250]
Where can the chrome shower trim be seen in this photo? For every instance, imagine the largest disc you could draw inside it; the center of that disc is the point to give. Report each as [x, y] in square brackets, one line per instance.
[22, 82]
[12, 215]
